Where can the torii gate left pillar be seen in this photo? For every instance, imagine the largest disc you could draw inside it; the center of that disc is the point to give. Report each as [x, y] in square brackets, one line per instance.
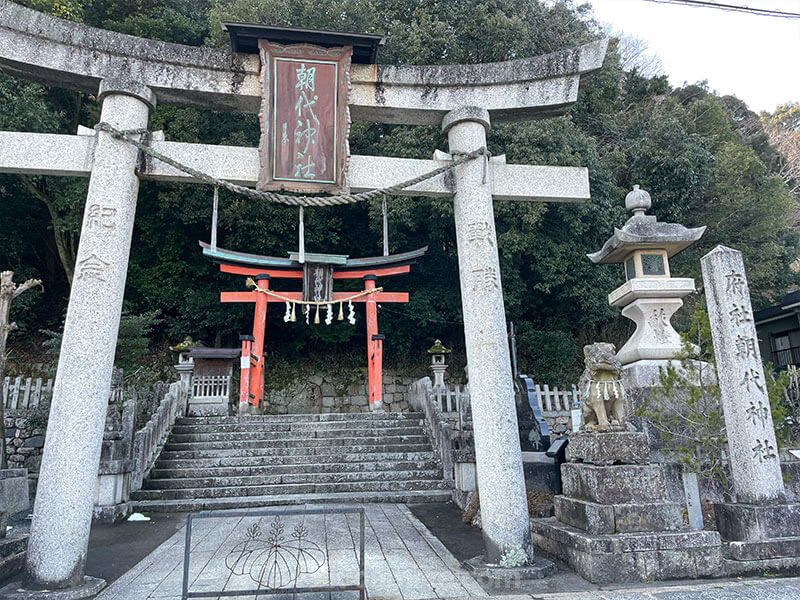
[62, 514]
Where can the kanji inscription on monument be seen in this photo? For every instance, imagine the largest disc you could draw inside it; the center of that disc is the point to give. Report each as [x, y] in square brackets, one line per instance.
[304, 117]
[754, 461]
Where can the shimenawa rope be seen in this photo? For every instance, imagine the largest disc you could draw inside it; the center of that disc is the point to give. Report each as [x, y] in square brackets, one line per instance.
[459, 158]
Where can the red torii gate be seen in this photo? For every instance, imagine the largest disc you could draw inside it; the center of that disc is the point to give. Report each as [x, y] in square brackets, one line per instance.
[264, 268]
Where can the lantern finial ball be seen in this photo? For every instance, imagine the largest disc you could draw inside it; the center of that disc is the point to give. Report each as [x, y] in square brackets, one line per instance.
[638, 201]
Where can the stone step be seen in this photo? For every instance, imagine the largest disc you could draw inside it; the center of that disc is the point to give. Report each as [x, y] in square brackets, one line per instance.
[289, 479]
[372, 425]
[236, 450]
[246, 469]
[13, 544]
[12, 554]
[201, 504]
[287, 489]
[299, 442]
[320, 460]
[11, 565]
[302, 418]
[216, 436]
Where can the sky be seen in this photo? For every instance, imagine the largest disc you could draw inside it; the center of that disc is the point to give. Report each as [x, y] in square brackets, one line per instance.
[755, 58]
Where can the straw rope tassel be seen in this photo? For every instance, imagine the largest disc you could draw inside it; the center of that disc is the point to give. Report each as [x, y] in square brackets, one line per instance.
[294, 316]
[316, 316]
[341, 313]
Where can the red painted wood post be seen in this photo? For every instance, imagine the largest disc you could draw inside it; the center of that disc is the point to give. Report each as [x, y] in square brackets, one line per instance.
[259, 325]
[373, 353]
[377, 386]
[244, 370]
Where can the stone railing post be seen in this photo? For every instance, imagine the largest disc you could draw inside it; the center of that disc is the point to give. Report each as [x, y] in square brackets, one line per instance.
[504, 507]
[62, 513]
[185, 369]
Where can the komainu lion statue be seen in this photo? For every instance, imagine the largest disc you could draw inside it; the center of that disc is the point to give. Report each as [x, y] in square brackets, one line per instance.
[602, 394]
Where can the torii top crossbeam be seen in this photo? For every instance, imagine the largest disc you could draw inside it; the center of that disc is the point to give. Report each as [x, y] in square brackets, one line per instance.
[66, 54]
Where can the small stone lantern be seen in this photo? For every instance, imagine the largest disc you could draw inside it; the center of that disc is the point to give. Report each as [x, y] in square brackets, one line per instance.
[650, 295]
[438, 353]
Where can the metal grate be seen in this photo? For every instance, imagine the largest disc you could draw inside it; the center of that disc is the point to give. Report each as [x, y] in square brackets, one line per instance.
[275, 559]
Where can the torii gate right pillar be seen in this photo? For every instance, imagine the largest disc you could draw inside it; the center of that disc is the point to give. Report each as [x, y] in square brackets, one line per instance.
[501, 482]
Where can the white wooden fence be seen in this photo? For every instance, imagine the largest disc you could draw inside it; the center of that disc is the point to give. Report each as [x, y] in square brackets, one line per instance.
[26, 392]
[555, 400]
[451, 399]
[21, 393]
[211, 386]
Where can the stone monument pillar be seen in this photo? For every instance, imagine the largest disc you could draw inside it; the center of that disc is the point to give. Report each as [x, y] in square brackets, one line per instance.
[504, 507]
[760, 515]
[62, 513]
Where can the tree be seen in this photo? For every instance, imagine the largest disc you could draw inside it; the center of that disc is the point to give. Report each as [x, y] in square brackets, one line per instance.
[8, 291]
[634, 54]
[783, 129]
[706, 160]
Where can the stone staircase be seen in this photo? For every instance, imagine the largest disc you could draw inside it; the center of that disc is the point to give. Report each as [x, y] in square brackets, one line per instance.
[213, 463]
[12, 554]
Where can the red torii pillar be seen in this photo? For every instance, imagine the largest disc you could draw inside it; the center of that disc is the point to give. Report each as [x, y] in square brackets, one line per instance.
[374, 348]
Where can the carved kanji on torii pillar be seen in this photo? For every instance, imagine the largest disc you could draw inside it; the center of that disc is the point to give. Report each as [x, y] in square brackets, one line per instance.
[328, 268]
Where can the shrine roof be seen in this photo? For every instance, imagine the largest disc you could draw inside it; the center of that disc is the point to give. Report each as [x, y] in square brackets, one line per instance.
[245, 36]
[232, 257]
[214, 353]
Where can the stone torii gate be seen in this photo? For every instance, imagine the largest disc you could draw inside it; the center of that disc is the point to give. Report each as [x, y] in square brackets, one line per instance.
[129, 75]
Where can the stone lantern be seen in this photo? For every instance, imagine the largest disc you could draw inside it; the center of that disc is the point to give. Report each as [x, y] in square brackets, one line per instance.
[650, 295]
[438, 353]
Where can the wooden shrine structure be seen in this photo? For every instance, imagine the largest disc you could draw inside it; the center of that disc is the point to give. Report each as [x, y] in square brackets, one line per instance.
[324, 269]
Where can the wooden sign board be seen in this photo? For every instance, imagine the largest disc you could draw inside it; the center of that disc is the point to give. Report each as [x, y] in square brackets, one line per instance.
[305, 120]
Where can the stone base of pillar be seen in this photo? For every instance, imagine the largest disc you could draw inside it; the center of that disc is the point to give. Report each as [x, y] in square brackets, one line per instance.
[14, 494]
[111, 513]
[614, 522]
[90, 588]
[246, 409]
[759, 531]
[633, 557]
[495, 579]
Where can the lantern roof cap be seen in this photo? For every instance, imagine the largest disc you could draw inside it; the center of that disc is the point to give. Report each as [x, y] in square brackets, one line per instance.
[245, 36]
[438, 348]
[643, 232]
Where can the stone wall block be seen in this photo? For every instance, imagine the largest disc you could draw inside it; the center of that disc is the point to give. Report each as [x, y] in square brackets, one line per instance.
[619, 484]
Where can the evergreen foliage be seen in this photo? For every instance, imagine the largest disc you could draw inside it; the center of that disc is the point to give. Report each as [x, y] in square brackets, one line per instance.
[705, 159]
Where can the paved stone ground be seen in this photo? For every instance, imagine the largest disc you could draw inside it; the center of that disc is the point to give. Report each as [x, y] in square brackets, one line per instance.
[758, 589]
[404, 561]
